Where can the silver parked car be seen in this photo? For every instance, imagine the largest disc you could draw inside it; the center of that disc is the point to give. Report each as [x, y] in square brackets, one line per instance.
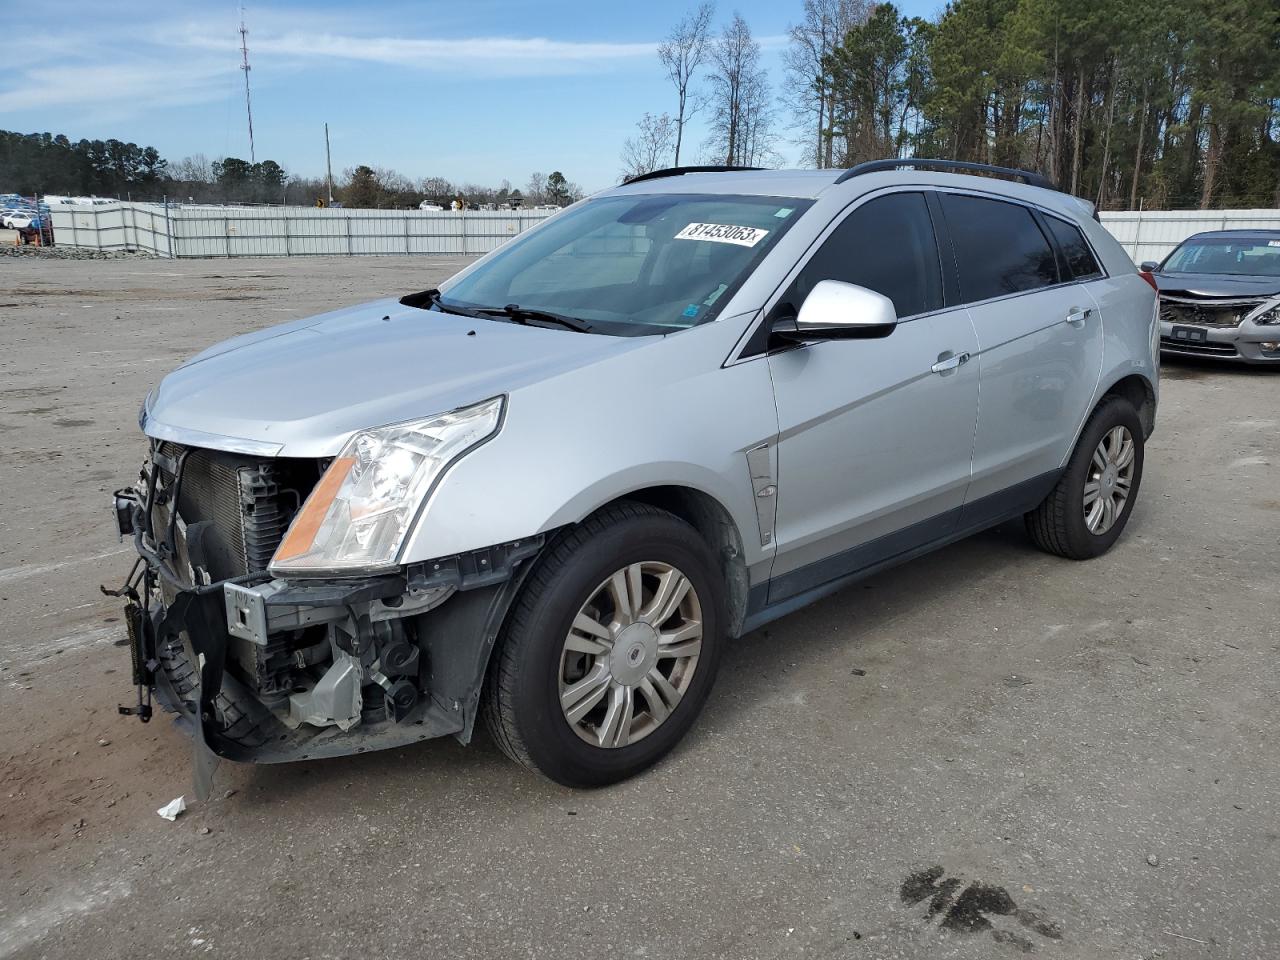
[1220, 296]
[550, 492]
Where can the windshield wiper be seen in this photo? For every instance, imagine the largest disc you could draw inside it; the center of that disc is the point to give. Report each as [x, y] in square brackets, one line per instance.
[521, 314]
[513, 311]
[431, 298]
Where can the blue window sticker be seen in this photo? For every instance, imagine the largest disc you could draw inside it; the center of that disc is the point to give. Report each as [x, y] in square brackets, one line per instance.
[691, 310]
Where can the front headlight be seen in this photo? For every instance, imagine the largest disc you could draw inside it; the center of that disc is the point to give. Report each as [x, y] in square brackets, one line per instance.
[1268, 316]
[357, 517]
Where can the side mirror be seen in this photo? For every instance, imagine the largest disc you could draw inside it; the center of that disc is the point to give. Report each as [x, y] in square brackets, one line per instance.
[1149, 266]
[835, 310]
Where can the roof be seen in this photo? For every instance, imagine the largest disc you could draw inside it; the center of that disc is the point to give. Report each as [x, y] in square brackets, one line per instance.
[809, 184]
[1238, 234]
[765, 183]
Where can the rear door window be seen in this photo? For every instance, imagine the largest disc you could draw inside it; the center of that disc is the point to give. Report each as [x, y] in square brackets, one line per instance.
[1075, 249]
[999, 247]
[886, 245]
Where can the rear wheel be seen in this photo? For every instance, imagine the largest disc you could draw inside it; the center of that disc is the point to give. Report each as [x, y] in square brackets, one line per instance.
[1089, 507]
[610, 650]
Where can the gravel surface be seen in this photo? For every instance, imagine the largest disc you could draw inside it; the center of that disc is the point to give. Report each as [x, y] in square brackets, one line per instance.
[69, 253]
[1072, 760]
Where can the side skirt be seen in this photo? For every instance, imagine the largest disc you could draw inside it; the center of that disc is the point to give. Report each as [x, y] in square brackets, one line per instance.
[799, 588]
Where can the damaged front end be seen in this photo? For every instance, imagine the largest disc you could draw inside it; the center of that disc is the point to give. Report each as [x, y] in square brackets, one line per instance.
[1205, 324]
[269, 669]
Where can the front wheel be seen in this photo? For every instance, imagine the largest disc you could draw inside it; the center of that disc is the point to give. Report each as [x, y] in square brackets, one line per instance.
[610, 650]
[1087, 510]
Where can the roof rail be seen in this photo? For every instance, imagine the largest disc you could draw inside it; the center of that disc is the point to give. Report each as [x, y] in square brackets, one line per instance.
[680, 171]
[954, 166]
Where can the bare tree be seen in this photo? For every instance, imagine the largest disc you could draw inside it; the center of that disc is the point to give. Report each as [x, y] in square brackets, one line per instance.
[741, 110]
[436, 188]
[536, 190]
[682, 53]
[193, 169]
[806, 91]
[649, 148]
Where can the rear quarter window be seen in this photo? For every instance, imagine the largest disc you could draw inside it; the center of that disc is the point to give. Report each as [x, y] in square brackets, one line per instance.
[999, 248]
[1075, 249]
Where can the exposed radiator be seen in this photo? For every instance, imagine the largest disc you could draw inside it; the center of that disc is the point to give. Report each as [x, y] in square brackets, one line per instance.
[238, 506]
[1205, 313]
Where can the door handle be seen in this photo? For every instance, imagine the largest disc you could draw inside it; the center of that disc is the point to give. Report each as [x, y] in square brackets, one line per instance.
[1077, 317]
[949, 361]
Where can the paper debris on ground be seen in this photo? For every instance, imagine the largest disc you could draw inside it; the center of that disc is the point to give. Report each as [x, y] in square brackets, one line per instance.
[171, 809]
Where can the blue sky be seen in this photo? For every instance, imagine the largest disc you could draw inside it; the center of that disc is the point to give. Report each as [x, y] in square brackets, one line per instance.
[472, 90]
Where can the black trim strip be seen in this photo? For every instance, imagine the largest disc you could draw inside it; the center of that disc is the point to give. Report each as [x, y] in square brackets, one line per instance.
[864, 555]
[681, 171]
[790, 592]
[946, 251]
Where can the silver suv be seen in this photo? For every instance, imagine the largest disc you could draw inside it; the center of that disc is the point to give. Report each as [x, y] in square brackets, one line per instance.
[551, 491]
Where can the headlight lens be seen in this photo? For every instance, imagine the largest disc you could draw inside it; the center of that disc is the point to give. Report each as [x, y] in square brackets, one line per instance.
[359, 513]
[1268, 317]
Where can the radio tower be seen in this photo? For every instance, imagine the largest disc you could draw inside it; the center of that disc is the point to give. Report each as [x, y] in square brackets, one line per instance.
[244, 65]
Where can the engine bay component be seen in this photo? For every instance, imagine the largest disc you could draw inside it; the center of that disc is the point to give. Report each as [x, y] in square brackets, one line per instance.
[124, 502]
[265, 669]
[234, 508]
[335, 700]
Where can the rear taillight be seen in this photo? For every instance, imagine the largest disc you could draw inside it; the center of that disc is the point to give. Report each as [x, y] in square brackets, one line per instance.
[1150, 277]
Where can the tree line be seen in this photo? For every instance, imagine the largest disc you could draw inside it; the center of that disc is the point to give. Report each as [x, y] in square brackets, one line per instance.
[46, 163]
[1120, 102]
[379, 187]
[49, 163]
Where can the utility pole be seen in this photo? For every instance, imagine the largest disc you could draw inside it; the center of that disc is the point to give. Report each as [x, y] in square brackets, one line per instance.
[244, 65]
[328, 164]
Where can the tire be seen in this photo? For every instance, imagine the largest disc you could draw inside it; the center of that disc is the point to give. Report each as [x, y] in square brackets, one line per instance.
[527, 678]
[1059, 524]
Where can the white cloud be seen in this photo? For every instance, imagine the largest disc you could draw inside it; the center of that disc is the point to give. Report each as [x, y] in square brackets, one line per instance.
[142, 83]
[500, 56]
[97, 67]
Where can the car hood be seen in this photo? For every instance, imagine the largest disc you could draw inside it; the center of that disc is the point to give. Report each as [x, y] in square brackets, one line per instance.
[301, 388]
[1216, 285]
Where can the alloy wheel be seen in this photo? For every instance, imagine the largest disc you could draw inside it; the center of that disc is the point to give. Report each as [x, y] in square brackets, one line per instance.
[1110, 477]
[630, 654]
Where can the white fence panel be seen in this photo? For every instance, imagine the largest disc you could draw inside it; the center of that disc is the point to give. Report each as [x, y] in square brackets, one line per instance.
[1152, 235]
[113, 226]
[193, 230]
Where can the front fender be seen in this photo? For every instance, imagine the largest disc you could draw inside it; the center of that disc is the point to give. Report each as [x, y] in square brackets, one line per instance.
[664, 415]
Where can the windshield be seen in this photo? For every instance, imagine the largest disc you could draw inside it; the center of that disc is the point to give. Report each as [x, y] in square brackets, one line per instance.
[1242, 258]
[635, 265]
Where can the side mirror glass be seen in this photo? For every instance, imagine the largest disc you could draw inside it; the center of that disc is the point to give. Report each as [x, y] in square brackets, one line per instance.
[1149, 266]
[835, 310]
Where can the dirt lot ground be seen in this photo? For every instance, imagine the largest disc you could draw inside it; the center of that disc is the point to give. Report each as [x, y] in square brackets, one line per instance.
[1087, 753]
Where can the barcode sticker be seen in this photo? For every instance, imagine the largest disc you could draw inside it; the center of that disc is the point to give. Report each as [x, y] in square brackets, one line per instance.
[723, 233]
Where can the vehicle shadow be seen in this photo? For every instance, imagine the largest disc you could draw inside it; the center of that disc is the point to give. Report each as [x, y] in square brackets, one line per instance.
[748, 672]
[936, 580]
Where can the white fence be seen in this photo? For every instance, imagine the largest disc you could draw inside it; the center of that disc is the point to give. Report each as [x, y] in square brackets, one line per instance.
[181, 230]
[185, 230]
[1152, 234]
[112, 226]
